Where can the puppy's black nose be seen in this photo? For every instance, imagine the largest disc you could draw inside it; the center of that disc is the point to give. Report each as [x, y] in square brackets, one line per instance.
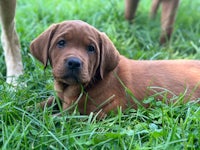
[73, 63]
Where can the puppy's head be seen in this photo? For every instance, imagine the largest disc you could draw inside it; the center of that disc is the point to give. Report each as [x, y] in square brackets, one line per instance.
[77, 52]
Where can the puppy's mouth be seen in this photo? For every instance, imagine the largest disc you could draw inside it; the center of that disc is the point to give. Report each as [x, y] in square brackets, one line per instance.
[71, 71]
[70, 77]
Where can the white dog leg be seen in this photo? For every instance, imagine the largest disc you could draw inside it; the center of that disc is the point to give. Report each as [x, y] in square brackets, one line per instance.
[10, 40]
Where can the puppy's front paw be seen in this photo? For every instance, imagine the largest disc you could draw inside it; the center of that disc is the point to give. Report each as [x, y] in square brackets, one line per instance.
[47, 103]
[51, 102]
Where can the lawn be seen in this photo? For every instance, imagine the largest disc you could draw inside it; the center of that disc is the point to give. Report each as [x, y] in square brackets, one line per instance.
[173, 126]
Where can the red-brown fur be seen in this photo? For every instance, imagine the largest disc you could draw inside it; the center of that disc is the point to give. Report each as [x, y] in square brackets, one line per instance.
[105, 74]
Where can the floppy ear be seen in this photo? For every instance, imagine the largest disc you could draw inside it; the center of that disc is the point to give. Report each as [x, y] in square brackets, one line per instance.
[109, 56]
[40, 46]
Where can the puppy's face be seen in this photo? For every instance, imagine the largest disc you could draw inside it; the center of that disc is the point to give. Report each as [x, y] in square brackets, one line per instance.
[76, 51]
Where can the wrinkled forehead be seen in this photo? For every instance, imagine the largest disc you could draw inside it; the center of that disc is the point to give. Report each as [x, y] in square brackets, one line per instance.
[77, 29]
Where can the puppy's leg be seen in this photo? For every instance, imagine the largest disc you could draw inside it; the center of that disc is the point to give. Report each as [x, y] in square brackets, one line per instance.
[154, 8]
[130, 8]
[169, 8]
[71, 96]
[47, 103]
[10, 40]
[67, 94]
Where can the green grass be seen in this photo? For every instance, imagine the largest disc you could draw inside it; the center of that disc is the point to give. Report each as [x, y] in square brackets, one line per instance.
[173, 126]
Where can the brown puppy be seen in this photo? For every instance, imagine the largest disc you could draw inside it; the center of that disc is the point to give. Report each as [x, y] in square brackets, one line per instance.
[81, 56]
[169, 8]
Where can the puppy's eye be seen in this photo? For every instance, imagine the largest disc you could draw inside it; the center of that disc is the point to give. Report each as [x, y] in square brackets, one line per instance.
[61, 43]
[91, 49]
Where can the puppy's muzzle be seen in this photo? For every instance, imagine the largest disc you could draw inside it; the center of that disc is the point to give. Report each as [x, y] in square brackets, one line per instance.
[73, 64]
[73, 67]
